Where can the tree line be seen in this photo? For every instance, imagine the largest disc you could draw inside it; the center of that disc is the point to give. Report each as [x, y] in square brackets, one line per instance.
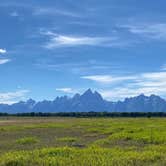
[88, 114]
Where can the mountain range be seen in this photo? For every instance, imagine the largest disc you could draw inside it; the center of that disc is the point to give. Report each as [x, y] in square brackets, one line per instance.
[87, 102]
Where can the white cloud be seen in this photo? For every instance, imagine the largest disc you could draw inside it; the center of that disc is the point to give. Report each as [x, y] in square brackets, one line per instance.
[155, 76]
[106, 79]
[13, 97]
[154, 31]
[65, 90]
[57, 40]
[63, 41]
[118, 93]
[83, 67]
[2, 51]
[147, 78]
[132, 85]
[124, 92]
[3, 61]
[55, 11]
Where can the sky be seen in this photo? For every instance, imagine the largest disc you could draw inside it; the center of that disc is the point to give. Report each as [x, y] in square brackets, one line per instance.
[62, 47]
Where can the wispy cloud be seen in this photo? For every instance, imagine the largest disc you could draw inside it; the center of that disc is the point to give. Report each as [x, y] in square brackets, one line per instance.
[132, 85]
[3, 61]
[43, 10]
[66, 90]
[106, 79]
[55, 11]
[83, 67]
[121, 93]
[58, 40]
[151, 30]
[13, 97]
[2, 51]
[70, 40]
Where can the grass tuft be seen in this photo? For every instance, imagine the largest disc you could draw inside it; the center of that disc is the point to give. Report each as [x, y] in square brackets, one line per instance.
[27, 140]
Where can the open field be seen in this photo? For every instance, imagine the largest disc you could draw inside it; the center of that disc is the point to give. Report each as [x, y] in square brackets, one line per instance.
[82, 141]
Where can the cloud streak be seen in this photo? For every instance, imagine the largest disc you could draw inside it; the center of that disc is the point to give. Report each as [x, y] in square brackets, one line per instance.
[4, 61]
[152, 30]
[69, 40]
[54, 12]
[65, 90]
[131, 85]
[13, 97]
[107, 79]
[55, 40]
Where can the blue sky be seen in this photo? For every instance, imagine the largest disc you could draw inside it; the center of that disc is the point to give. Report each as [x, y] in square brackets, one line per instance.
[61, 47]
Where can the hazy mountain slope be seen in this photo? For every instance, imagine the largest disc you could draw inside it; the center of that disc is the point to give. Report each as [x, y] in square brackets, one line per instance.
[88, 101]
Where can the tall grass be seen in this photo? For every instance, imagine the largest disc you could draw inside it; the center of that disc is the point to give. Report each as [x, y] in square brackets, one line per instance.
[93, 156]
[99, 142]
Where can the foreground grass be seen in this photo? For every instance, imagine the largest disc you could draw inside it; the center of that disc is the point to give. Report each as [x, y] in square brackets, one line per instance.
[82, 142]
[93, 156]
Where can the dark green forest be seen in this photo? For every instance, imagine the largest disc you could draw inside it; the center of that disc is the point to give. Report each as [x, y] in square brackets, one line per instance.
[89, 114]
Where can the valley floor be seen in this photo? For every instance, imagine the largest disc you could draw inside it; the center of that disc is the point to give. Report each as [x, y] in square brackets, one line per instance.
[82, 141]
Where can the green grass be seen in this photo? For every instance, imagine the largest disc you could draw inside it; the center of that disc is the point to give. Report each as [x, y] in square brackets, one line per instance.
[27, 140]
[94, 156]
[82, 141]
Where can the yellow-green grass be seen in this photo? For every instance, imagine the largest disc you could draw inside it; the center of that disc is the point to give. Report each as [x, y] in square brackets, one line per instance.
[94, 156]
[27, 140]
[82, 141]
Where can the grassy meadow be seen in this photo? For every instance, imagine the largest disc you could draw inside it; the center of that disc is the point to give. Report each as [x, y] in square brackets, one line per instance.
[61, 141]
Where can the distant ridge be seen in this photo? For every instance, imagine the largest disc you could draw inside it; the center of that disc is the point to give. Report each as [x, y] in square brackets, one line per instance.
[87, 102]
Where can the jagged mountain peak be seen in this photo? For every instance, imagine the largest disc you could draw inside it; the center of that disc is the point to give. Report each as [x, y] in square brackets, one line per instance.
[88, 92]
[139, 97]
[89, 101]
[90, 95]
[30, 101]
